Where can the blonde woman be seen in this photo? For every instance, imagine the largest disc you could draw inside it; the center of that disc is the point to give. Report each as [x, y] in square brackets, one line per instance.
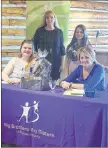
[89, 75]
[50, 37]
[12, 72]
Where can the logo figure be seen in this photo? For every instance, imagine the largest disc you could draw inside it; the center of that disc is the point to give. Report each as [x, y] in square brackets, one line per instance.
[26, 109]
[35, 106]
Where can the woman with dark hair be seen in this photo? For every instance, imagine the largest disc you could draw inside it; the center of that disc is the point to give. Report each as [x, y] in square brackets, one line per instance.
[12, 72]
[80, 39]
[49, 37]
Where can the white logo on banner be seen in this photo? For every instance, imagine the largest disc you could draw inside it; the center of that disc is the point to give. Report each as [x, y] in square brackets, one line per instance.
[26, 109]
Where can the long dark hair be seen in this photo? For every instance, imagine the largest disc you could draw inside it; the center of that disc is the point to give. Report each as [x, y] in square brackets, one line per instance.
[84, 41]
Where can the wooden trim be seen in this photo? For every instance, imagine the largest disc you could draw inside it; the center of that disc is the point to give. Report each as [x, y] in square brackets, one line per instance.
[8, 42]
[14, 14]
[10, 54]
[90, 25]
[5, 22]
[10, 50]
[89, 5]
[14, 32]
[4, 2]
[16, 22]
[13, 1]
[88, 15]
[17, 1]
[15, 11]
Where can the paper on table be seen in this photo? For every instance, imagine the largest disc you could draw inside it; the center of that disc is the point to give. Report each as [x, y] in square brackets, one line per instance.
[4, 82]
[74, 92]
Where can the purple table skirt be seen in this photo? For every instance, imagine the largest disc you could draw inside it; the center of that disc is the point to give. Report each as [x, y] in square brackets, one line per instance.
[56, 120]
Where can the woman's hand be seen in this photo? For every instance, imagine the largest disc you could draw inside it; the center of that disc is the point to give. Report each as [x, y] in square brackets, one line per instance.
[65, 85]
[13, 81]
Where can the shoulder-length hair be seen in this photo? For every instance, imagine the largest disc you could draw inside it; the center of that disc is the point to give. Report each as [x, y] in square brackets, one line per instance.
[29, 42]
[84, 40]
[89, 52]
[56, 25]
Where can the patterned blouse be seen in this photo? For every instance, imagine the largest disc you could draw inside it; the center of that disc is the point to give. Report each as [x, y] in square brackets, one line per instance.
[71, 51]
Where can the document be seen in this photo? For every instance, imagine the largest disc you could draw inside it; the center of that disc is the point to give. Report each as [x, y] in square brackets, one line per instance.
[4, 82]
[74, 92]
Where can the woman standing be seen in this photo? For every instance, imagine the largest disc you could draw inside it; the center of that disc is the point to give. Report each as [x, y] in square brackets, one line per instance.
[50, 37]
[80, 39]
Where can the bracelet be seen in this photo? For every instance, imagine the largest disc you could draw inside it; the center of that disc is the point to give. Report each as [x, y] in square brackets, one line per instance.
[71, 85]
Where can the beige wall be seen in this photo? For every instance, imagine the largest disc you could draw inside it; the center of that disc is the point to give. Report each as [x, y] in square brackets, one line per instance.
[102, 58]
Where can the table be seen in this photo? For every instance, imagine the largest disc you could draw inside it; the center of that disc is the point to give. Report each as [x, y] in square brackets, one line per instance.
[44, 118]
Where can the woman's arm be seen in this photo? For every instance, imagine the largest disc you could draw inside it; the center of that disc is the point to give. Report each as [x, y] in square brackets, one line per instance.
[62, 50]
[94, 80]
[62, 63]
[8, 70]
[67, 82]
[67, 85]
[73, 75]
[35, 40]
[77, 86]
[62, 47]
[66, 66]
[5, 77]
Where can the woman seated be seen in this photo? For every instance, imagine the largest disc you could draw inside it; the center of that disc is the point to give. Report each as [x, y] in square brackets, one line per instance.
[89, 75]
[13, 70]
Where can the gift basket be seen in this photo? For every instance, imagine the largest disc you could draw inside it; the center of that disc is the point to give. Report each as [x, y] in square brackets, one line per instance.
[39, 74]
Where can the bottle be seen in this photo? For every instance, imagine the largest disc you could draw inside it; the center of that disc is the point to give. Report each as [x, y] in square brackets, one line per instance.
[31, 75]
[22, 78]
[22, 72]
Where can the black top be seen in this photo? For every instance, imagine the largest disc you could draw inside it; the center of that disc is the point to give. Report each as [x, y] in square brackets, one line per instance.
[52, 41]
